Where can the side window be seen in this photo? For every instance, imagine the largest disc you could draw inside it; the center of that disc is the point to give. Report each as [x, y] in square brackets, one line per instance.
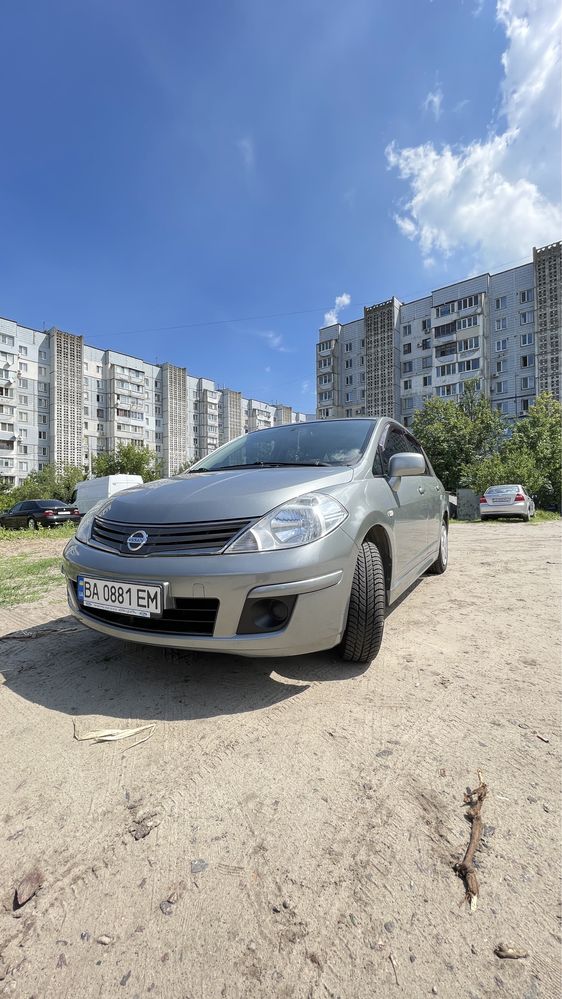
[396, 443]
[416, 447]
[377, 464]
[16, 508]
[27, 506]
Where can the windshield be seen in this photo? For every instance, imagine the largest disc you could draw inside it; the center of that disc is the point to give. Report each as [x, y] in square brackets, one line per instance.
[330, 442]
[502, 489]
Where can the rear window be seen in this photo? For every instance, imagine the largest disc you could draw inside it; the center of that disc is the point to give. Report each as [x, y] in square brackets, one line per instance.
[502, 489]
[49, 504]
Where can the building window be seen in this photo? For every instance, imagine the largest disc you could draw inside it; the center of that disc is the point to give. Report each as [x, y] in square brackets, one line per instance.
[427, 362]
[348, 362]
[348, 348]
[471, 343]
[426, 344]
[407, 330]
[349, 379]
[23, 366]
[501, 344]
[426, 380]
[23, 400]
[501, 387]
[349, 396]
[407, 384]
[527, 339]
[500, 366]
[528, 361]
[501, 324]
[525, 404]
[446, 369]
[42, 355]
[407, 366]
[528, 382]
[501, 407]
[468, 303]
[22, 350]
[447, 390]
[528, 295]
[467, 322]
[349, 412]
[526, 317]
[472, 364]
[407, 348]
[408, 404]
[501, 303]
[446, 309]
[426, 325]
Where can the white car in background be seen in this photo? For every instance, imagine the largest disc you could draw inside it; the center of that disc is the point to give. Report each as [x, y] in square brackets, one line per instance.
[506, 501]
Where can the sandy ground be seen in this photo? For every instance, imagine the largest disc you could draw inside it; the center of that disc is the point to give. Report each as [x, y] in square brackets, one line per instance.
[303, 817]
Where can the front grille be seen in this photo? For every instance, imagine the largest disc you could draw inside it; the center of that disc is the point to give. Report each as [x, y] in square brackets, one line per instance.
[186, 617]
[204, 538]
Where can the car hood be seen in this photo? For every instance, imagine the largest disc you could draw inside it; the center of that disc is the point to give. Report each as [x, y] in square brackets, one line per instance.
[228, 495]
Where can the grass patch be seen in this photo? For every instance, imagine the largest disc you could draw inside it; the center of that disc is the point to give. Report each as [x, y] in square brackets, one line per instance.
[43, 534]
[25, 578]
[541, 517]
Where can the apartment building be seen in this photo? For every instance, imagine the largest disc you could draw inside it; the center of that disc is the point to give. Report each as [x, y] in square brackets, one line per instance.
[503, 329]
[63, 402]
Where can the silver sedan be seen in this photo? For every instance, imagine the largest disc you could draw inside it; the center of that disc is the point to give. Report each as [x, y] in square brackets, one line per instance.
[507, 501]
[285, 541]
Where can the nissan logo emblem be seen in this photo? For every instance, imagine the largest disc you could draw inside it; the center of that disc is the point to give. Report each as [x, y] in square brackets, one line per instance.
[137, 540]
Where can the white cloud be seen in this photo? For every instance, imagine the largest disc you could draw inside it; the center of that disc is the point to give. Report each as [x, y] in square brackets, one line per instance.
[433, 102]
[332, 317]
[247, 152]
[305, 386]
[478, 8]
[498, 196]
[268, 368]
[275, 341]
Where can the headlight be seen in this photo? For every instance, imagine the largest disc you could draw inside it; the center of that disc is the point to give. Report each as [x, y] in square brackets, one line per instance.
[298, 522]
[84, 528]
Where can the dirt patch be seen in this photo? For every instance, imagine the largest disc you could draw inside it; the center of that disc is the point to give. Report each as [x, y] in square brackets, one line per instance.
[291, 827]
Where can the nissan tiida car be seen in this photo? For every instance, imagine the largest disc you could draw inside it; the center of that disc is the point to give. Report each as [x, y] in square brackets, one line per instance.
[282, 542]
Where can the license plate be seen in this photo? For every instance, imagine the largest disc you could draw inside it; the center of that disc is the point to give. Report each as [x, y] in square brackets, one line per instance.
[120, 598]
[502, 499]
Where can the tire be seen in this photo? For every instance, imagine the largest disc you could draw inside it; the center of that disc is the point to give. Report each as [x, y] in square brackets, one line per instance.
[367, 603]
[440, 564]
[527, 517]
[31, 524]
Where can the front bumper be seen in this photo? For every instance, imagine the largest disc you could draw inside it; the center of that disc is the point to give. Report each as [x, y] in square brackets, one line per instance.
[318, 575]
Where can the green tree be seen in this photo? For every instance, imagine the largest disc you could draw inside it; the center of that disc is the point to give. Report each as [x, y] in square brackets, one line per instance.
[541, 434]
[128, 459]
[514, 464]
[48, 483]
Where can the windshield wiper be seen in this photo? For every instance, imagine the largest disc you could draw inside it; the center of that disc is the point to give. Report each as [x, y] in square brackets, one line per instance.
[267, 464]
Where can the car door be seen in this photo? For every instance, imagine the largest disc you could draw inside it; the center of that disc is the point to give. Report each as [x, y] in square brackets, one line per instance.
[408, 505]
[433, 494]
[11, 516]
[27, 508]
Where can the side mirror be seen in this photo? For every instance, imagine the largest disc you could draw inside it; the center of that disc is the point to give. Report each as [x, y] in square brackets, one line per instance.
[407, 463]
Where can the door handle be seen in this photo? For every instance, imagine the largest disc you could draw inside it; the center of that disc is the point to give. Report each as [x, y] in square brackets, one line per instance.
[421, 489]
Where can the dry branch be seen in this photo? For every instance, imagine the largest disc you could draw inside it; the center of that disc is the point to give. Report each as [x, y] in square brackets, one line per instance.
[465, 869]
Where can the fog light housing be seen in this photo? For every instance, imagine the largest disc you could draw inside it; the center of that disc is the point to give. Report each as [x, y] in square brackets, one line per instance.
[266, 614]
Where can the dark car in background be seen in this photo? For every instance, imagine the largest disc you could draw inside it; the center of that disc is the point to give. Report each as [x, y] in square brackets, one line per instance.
[40, 513]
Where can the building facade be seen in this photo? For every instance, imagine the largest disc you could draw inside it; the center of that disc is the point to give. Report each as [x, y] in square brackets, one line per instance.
[62, 402]
[503, 329]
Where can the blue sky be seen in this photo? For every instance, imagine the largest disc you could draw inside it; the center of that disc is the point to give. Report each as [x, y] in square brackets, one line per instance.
[167, 164]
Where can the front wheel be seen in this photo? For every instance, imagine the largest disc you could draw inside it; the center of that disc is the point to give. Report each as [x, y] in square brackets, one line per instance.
[440, 563]
[365, 620]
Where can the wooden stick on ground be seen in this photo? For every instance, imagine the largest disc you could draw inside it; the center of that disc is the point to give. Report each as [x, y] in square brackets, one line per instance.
[465, 869]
